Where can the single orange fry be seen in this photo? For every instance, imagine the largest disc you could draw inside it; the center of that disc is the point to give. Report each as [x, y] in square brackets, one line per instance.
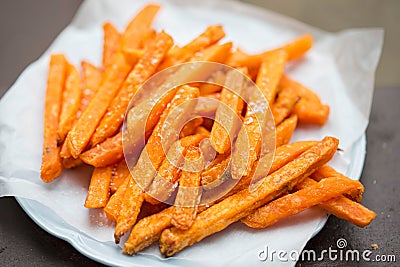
[106, 153]
[51, 161]
[71, 102]
[139, 29]
[111, 44]
[99, 188]
[299, 201]
[285, 130]
[120, 173]
[189, 192]
[210, 36]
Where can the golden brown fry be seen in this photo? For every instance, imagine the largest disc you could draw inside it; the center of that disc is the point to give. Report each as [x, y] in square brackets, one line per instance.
[80, 134]
[284, 104]
[189, 191]
[250, 137]
[146, 114]
[111, 44]
[113, 118]
[295, 49]
[114, 205]
[270, 74]
[207, 105]
[120, 173]
[139, 29]
[99, 188]
[327, 171]
[309, 108]
[202, 130]
[70, 103]
[215, 171]
[51, 161]
[130, 208]
[162, 136]
[311, 112]
[190, 127]
[178, 55]
[169, 172]
[344, 208]
[152, 157]
[70, 162]
[215, 84]
[235, 207]
[147, 231]
[227, 117]
[106, 153]
[285, 130]
[299, 201]
[91, 82]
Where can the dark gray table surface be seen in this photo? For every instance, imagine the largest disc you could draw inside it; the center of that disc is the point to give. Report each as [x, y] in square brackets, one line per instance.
[23, 243]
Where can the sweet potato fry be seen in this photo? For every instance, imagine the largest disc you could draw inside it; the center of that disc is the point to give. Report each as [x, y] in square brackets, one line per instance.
[202, 130]
[227, 117]
[190, 127]
[214, 85]
[113, 118]
[91, 82]
[70, 162]
[207, 105]
[311, 112]
[130, 208]
[138, 115]
[235, 207]
[139, 29]
[299, 46]
[120, 172]
[309, 108]
[106, 153]
[284, 104]
[301, 91]
[111, 44]
[70, 103]
[152, 157]
[99, 188]
[51, 161]
[267, 165]
[80, 134]
[214, 172]
[164, 183]
[163, 134]
[295, 49]
[189, 191]
[344, 208]
[147, 231]
[270, 74]
[303, 199]
[285, 130]
[178, 55]
[349, 210]
[327, 171]
[114, 205]
[250, 136]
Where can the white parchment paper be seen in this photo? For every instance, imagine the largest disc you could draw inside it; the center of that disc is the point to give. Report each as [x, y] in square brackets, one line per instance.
[340, 68]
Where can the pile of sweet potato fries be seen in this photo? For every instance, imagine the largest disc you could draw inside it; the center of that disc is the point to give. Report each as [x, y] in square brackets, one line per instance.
[83, 120]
